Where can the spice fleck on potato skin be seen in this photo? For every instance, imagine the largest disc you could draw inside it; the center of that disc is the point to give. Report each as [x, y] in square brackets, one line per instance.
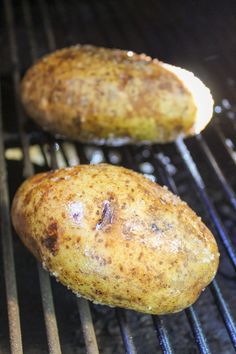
[107, 95]
[154, 256]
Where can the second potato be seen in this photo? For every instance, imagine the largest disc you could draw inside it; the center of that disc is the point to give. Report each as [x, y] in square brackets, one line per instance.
[113, 96]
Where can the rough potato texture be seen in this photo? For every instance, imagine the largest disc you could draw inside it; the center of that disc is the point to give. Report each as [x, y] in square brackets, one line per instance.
[114, 96]
[116, 238]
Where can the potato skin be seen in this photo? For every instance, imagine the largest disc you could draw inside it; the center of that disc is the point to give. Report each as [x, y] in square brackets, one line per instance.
[116, 238]
[108, 95]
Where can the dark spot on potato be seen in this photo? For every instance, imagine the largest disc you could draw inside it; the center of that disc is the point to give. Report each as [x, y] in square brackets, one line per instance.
[154, 227]
[140, 256]
[50, 242]
[106, 217]
[52, 229]
[121, 268]
[76, 217]
[98, 292]
[51, 239]
[100, 240]
[28, 197]
[78, 239]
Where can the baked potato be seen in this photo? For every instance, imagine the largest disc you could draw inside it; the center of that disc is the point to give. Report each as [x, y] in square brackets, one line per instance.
[116, 238]
[113, 96]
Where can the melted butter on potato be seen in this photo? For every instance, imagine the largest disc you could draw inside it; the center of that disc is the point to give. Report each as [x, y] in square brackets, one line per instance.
[115, 237]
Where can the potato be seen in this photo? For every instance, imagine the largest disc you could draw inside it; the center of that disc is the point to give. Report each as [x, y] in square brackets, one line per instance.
[114, 96]
[115, 237]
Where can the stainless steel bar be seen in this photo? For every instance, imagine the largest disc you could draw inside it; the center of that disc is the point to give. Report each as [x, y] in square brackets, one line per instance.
[163, 335]
[8, 254]
[225, 311]
[192, 168]
[223, 138]
[125, 332]
[197, 330]
[45, 286]
[49, 312]
[213, 163]
[89, 335]
[220, 301]
[87, 326]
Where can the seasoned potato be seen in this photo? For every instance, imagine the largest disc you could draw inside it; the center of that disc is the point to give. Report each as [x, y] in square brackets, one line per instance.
[114, 96]
[116, 238]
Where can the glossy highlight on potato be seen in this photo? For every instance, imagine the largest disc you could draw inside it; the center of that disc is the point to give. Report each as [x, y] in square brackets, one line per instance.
[112, 96]
[116, 238]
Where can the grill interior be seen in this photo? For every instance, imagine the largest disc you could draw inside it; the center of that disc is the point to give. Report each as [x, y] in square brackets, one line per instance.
[38, 315]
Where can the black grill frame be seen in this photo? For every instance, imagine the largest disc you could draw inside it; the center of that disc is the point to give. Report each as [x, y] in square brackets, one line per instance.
[191, 168]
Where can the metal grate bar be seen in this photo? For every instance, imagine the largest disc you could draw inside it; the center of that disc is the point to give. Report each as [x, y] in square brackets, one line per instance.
[223, 140]
[197, 330]
[8, 256]
[212, 161]
[83, 306]
[87, 326]
[45, 286]
[225, 312]
[192, 168]
[125, 332]
[49, 312]
[47, 25]
[162, 335]
[16, 80]
[221, 303]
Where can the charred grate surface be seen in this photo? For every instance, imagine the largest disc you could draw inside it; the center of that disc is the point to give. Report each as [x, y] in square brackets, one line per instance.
[38, 315]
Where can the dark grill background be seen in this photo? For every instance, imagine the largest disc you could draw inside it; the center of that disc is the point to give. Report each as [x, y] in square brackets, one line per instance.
[198, 35]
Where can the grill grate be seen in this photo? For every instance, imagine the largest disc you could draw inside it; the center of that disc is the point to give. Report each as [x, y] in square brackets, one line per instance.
[127, 24]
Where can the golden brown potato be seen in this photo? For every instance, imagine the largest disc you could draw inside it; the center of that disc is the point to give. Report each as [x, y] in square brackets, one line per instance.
[114, 96]
[116, 238]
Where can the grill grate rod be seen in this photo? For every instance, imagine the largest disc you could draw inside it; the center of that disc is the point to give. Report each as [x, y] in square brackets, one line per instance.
[194, 173]
[225, 312]
[125, 332]
[215, 289]
[197, 330]
[221, 303]
[213, 163]
[163, 335]
[8, 256]
[223, 141]
[83, 306]
[87, 326]
[45, 286]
